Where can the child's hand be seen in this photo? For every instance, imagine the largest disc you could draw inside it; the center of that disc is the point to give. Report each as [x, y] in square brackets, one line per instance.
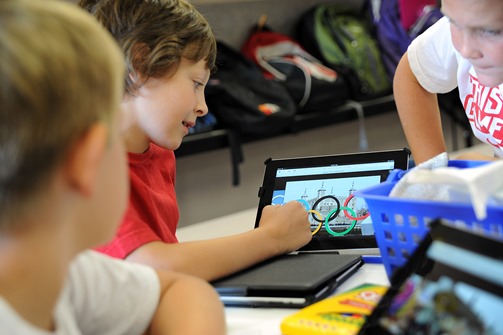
[287, 225]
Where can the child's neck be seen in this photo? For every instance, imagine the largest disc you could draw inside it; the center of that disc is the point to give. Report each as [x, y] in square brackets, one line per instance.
[134, 137]
[32, 273]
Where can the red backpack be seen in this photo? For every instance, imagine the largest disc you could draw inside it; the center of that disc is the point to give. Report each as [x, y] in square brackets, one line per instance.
[313, 86]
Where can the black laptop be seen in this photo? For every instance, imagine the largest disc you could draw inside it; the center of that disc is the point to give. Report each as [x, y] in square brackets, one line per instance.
[340, 223]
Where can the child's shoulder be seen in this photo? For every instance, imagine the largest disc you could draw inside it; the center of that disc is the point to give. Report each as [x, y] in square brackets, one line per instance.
[91, 263]
[103, 289]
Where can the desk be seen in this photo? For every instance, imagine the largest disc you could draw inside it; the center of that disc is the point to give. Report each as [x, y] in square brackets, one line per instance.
[264, 321]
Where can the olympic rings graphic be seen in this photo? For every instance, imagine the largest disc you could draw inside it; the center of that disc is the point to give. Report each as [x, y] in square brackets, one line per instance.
[333, 214]
[316, 215]
[348, 199]
[314, 212]
[319, 216]
[334, 233]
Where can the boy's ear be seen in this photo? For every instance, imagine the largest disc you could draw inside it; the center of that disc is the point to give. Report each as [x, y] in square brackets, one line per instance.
[84, 159]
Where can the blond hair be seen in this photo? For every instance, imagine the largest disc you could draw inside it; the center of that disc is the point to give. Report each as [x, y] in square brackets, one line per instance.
[154, 35]
[60, 72]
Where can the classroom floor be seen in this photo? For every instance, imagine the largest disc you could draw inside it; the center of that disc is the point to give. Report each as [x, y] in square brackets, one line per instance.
[204, 183]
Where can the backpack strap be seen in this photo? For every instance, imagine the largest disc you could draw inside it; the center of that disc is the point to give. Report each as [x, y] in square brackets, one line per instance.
[357, 106]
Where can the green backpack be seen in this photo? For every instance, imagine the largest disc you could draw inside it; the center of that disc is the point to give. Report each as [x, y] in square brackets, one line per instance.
[342, 40]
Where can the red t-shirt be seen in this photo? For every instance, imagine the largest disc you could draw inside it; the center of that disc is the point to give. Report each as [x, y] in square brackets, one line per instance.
[152, 214]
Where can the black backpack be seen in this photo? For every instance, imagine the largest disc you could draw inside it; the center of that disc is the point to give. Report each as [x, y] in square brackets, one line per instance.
[243, 100]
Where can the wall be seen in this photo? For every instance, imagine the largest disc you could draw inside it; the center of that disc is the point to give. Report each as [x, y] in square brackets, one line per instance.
[231, 20]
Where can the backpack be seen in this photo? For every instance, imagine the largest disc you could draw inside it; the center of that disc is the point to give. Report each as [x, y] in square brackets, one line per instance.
[392, 37]
[313, 86]
[242, 99]
[410, 10]
[342, 40]
[429, 15]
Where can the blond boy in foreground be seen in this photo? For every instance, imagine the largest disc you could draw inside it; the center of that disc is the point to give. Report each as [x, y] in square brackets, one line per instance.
[64, 188]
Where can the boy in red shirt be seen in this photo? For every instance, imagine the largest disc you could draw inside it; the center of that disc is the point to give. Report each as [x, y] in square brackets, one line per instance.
[170, 52]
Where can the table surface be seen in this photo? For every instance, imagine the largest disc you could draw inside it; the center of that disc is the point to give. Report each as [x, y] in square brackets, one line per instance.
[264, 321]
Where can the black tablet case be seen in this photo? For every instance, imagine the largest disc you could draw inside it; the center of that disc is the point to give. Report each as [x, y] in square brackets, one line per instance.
[293, 280]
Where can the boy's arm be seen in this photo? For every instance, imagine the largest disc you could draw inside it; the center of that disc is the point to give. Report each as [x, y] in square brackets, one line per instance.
[187, 305]
[282, 229]
[419, 114]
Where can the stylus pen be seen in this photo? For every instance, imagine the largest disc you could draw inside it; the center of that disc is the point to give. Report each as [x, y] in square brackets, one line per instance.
[372, 259]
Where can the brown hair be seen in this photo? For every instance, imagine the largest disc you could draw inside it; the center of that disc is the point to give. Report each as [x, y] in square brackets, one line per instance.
[154, 35]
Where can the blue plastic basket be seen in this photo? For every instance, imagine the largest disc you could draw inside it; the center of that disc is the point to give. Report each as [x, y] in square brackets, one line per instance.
[400, 224]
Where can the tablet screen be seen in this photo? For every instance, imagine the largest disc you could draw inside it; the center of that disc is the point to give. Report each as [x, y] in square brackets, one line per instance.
[326, 187]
